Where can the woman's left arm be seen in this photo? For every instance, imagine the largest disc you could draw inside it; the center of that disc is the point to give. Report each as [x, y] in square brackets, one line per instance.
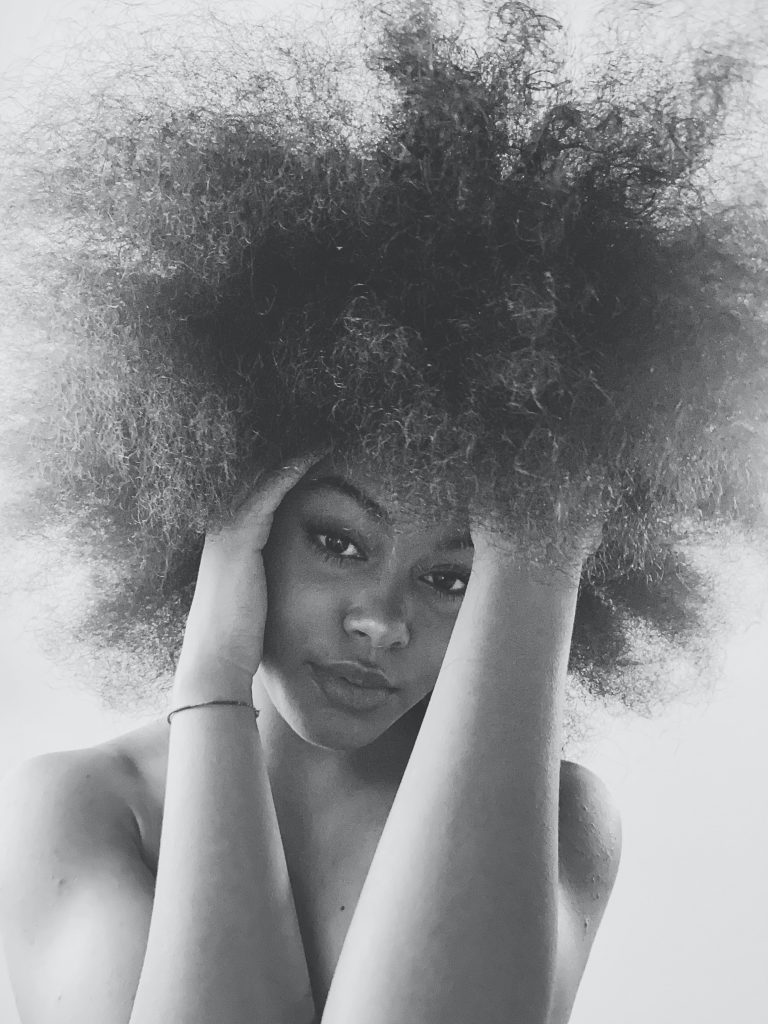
[458, 918]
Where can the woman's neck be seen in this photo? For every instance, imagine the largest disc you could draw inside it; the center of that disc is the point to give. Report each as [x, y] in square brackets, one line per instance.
[319, 779]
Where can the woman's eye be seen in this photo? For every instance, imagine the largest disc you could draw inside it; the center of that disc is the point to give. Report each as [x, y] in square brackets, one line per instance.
[337, 546]
[450, 584]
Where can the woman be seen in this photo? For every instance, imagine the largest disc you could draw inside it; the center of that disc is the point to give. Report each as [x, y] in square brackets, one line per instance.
[471, 905]
[504, 348]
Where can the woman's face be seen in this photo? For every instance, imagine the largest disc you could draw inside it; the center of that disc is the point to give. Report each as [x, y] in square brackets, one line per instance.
[361, 604]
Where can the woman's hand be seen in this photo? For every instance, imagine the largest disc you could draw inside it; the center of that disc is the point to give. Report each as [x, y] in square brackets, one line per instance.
[224, 634]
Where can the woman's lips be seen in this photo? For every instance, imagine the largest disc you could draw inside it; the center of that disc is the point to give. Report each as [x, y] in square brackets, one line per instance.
[352, 686]
[358, 674]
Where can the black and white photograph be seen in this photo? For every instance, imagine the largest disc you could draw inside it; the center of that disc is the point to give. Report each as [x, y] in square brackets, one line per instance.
[384, 511]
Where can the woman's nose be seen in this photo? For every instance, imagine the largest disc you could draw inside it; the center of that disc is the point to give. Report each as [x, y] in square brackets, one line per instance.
[381, 621]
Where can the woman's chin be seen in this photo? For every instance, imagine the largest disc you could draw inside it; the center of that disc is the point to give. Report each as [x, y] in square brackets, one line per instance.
[327, 727]
[333, 731]
[339, 721]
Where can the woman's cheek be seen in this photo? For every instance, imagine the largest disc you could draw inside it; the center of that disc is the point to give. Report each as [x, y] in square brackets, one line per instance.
[431, 632]
[314, 610]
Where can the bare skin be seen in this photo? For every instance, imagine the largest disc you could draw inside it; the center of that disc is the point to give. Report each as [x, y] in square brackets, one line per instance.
[329, 855]
[343, 584]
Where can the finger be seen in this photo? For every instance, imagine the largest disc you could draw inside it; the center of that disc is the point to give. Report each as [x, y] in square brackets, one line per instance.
[272, 487]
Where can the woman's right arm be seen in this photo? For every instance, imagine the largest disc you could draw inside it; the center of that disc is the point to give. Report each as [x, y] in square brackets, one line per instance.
[83, 939]
[224, 943]
[218, 939]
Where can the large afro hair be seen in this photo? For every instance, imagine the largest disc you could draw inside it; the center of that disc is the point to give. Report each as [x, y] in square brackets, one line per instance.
[426, 238]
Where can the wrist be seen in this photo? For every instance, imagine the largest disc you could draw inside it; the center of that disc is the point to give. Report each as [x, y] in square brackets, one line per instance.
[210, 680]
[514, 570]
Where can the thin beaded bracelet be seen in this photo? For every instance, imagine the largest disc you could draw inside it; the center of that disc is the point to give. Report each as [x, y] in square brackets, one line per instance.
[213, 703]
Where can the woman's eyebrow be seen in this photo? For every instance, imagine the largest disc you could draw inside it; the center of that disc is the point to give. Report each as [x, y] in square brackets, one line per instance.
[339, 483]
[456, 542]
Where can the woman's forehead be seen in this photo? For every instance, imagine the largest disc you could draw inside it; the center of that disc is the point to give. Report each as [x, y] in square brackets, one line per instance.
[398, 500]
[355, 476]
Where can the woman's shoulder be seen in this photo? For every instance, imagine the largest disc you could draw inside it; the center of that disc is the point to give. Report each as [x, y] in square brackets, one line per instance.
[76, 891]
[589, 833]
[78, 801]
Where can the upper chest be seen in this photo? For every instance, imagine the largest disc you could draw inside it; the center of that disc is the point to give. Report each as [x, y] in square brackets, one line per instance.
[328, 861]
[328, 852]
[329, 849]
